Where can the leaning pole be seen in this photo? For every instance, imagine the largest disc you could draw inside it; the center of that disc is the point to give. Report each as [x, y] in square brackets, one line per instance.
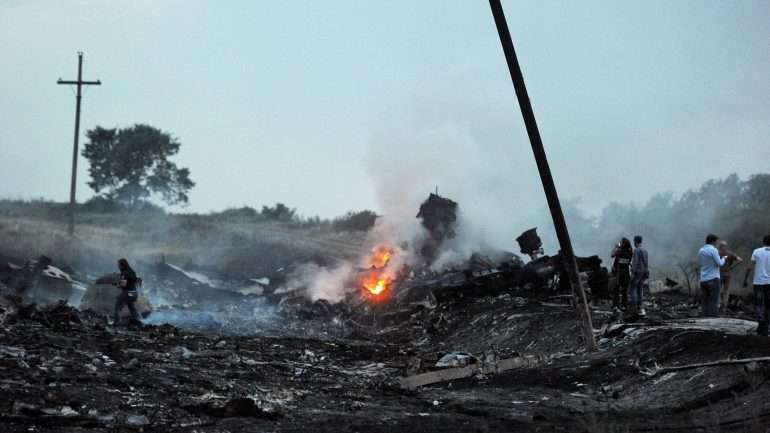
[567, 253]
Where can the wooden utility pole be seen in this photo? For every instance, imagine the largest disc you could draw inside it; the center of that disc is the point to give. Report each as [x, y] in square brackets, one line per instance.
[79, 83]
[567, 253]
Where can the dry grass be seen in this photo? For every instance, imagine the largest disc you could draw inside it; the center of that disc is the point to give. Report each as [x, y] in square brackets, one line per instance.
[246, 247]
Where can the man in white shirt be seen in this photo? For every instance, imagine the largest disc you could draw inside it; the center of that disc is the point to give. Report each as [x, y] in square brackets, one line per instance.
[760, 265]
[710, 262]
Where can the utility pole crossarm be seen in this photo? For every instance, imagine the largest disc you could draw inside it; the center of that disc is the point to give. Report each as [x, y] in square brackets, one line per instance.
[94, 83]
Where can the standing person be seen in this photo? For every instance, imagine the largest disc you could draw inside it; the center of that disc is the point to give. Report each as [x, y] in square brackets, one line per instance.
[128, 295]
[710, 264]
[760, 264]
[640, 270]
[725, 273]
[621, 268]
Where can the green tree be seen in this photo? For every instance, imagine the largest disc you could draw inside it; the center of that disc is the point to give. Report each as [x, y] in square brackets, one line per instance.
[131, 165]
[355, 221]
[280, 212]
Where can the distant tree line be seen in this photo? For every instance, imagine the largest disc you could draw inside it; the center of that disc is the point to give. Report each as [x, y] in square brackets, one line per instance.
[674, 227]
[355, 221]
[351, 221]
[98, 205]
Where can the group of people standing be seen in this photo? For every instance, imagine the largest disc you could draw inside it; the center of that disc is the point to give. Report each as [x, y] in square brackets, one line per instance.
[717, 262]
[631, 267]
[716, 265]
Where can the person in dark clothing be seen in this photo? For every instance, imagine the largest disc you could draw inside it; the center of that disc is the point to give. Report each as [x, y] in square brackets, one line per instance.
[621, 269]
[128, 294]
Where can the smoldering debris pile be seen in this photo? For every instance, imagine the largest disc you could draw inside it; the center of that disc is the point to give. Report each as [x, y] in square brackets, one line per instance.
[397, 273]
[489, 344]
[497, 363]
[388, 283]
[101, 378]
[443, 366]
[38, 280]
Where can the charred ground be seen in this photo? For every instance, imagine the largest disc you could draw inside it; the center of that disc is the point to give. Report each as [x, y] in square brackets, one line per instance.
[67, 371]
[492, 350]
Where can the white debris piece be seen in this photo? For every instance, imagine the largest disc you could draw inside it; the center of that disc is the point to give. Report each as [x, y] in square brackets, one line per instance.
[455, 359]
[197, 277]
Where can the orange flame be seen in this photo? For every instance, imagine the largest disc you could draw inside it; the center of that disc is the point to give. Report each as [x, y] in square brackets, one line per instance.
[378, 280]
[380, 257]
[376, 284]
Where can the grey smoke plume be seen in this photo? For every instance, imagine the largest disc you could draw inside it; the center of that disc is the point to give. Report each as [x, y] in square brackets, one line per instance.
[319, 282]
[498, 192]
[335, 283]
[408, 164]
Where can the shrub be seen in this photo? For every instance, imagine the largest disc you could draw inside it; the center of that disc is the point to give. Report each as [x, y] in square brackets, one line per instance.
[279, 212]
[355, 221]
[238, 213]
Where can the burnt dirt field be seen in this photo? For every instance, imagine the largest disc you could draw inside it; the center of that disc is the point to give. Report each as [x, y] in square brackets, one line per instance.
[64, 370]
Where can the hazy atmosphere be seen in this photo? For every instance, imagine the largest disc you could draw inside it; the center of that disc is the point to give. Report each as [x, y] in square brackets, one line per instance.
[326, 216]
[334, 106]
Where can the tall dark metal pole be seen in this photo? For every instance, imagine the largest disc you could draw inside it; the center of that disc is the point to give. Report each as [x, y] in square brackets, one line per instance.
[567, 253]
[79, 95]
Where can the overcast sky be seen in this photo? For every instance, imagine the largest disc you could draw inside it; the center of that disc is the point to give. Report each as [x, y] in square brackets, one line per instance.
[324, 105]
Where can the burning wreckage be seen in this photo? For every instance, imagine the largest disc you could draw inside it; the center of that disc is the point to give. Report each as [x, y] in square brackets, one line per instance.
[397, 275]
[391, 276]
[489, 345]
[481, 275]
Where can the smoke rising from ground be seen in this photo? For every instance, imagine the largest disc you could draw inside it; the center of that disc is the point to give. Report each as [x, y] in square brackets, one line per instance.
[319, 282]
[406, 164]
[334, 283]
[499, 193]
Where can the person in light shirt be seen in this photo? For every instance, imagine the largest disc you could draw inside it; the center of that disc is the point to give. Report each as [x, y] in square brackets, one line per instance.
[760, 266]
[710, 263]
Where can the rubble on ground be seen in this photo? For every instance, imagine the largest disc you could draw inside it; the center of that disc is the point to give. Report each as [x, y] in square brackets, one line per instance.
[491, 344]
[39, 281]
[494, 363]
